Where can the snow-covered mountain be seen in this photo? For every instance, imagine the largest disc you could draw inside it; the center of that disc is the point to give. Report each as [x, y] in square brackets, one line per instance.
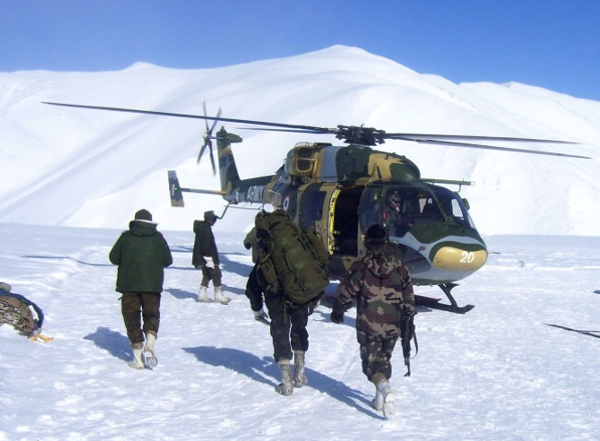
[88, 168]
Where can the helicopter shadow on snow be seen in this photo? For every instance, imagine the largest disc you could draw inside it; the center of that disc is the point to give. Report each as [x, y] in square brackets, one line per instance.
[115, 343]
[264, 370]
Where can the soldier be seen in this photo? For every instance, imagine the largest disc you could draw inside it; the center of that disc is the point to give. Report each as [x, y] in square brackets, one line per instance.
[288, 319]
[394, 220]
[380, 286]
[205, 247]
[142, 254]
[15, 311]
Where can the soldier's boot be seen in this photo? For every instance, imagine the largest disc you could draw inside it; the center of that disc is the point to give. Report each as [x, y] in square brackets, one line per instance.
[378, 401]
[202, 295]
[299, 371]
[220, 297]
[137, 362]
[286, 387]
[150, 358]
[384, 398]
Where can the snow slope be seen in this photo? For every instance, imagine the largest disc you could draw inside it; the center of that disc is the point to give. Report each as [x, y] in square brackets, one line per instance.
[497, 373]
[84, 168]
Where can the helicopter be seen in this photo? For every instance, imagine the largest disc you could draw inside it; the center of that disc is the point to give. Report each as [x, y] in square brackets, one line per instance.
[340, 191]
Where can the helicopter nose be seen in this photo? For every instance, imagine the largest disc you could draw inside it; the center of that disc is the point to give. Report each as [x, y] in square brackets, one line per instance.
[456, 259]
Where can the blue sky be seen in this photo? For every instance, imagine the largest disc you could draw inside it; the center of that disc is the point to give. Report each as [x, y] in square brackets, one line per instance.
[553, 44]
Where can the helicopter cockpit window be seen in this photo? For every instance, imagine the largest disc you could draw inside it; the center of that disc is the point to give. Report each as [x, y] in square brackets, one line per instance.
[399, 209]
[453, 206]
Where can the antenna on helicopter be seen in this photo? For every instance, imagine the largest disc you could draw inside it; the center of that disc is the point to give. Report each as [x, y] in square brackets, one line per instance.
[208, 139]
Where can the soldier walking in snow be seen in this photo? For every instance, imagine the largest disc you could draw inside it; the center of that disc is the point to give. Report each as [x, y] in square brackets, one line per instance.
[205, 257]
[380, 286]
[288, 318]
[142, 254]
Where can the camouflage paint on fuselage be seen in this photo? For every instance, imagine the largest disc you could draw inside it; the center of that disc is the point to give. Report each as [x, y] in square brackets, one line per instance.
[339, 191]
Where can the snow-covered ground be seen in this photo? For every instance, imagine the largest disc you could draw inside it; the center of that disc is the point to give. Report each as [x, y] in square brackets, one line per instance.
[497, 373]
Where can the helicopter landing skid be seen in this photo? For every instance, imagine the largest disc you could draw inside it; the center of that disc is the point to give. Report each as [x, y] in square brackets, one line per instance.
[434, 303]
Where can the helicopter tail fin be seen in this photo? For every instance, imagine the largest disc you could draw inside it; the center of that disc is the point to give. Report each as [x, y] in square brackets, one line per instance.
[175, 190]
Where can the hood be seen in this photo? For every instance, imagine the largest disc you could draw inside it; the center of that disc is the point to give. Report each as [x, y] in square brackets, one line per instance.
[141, 228]
[200, 226]
[381, 264]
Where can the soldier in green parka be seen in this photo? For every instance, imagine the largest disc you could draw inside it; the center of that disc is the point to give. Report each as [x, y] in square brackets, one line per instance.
[142, 254]
[380, 286]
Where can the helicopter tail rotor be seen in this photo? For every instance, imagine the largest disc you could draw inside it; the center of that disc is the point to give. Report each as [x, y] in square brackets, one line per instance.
[207, 137]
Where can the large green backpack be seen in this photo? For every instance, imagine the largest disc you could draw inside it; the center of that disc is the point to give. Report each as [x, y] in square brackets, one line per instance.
[292, 260]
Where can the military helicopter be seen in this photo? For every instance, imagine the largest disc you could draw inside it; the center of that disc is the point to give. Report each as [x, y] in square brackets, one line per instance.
[339, 191]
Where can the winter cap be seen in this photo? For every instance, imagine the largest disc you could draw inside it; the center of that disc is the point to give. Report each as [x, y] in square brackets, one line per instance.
[210, 215]
[376, 235]
[5, 287]
[143, 215]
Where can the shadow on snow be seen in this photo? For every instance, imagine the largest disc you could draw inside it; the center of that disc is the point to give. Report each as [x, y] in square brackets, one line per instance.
[265, 371]
[115, 343]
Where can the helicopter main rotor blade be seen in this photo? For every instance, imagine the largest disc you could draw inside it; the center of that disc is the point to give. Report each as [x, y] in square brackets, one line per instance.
[489, 147]
[352, 134]
[425, 137]
[185, 115]
[313, 132]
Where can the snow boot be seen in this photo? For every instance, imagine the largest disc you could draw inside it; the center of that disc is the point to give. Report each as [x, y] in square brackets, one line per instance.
[299, 372]
[384, 398]
[150, 358]
[137, 362]
[286, 387]
[219, 297]
[202, 297]
[378, 401]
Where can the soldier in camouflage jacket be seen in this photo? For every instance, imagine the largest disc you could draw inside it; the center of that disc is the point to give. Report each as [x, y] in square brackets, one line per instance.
[380, 286]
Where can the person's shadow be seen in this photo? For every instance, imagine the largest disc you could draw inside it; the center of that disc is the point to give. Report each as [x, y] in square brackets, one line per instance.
[115, 343]
[265, 371]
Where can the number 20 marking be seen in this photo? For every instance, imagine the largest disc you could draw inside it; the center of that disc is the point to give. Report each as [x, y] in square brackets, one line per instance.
[467, 257]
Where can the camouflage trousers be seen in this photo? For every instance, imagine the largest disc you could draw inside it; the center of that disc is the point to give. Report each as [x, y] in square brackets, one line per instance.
[136, 306]
[288, 327]
[15, 313]
[376, 353]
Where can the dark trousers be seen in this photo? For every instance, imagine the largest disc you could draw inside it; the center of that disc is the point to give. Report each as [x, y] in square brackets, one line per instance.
[134, 307]
[209, 274]
[288, 327]
[376, 353]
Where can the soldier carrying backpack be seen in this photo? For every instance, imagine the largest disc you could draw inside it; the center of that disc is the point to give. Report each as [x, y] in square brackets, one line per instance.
[291, 273]
[15, 311]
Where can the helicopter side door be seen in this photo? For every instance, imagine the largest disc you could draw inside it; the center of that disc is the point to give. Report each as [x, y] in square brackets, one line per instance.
[316, 210]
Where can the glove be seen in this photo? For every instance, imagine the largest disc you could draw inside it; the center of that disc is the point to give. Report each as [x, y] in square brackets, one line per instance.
[336, 317]
[408, 312]
[260, 314]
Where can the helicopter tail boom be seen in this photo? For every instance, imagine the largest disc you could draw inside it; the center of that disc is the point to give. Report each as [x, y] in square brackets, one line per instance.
[176, 191]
